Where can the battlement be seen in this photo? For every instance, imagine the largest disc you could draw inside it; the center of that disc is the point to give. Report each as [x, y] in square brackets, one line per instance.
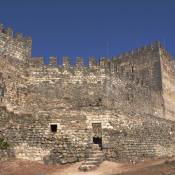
[20, 47]
[36, 61]
[8, 32]
[14, 45]
[93, 62]
[138, 51]
[66, 62]
[69, 104]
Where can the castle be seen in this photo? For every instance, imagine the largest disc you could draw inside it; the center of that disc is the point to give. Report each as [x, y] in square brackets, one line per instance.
[52, 113]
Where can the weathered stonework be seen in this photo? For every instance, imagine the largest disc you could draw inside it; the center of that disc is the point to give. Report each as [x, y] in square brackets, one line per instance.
[48, 112]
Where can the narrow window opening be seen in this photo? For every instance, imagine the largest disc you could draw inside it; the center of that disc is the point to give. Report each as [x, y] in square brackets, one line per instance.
[132, 69]
[53, 128]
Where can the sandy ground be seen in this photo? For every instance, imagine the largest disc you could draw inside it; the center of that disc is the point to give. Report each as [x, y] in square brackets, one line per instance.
[149, 167]
[107, 168]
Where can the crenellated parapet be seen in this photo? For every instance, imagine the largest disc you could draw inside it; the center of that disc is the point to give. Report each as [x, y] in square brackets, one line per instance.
[8, 32]
[20, 47]
[53, 61]
[67, 63]
[104, 63]
[139, 51]
[79, 62]
[36, 61]
[14, 45]
[92, 62]
[139, 66]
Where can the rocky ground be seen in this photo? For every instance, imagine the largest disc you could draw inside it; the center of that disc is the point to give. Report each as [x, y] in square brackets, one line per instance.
[148, 167]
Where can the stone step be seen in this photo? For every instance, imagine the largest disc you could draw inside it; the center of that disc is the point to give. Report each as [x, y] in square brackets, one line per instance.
[97, 155]
[94, 159]
[95, 151]
[95, 147]
[87, 167]
[91, 163]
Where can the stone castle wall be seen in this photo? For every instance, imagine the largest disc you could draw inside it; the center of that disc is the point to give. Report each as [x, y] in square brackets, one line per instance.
[138, 137]
[129, 83]
[131, 96]
[16, 47]
[124, 137]
[13, 81]
[15, 50]
[168, 83]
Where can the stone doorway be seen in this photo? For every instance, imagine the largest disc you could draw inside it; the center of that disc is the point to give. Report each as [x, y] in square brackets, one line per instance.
[97, 140]
[97, 134]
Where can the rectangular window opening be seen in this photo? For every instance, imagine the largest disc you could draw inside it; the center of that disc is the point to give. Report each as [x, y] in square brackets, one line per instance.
[53, 128]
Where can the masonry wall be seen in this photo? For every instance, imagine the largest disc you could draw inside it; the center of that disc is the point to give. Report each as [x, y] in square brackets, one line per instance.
[168, 83]
[15, 51]
[128, 83]
[138, 137]
[124, 137]
[132, 96]
[12, 83]
[30, 137]
[140, 82]
[15, 47]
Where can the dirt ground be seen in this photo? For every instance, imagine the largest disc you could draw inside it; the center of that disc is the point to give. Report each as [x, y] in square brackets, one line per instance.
[148, 167]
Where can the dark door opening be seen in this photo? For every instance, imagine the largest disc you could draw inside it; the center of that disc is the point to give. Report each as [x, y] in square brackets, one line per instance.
[98, 140]
[53, 128]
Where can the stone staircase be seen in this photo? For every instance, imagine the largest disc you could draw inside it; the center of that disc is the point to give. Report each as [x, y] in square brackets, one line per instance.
[95, 158]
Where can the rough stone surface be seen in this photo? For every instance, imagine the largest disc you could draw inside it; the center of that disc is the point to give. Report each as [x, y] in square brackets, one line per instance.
[131, 96]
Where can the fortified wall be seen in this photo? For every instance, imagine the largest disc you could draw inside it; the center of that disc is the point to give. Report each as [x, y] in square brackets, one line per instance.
[49, 112]
[124, 83]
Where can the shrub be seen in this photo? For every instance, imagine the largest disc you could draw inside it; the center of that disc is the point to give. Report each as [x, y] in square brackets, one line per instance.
[3, 143]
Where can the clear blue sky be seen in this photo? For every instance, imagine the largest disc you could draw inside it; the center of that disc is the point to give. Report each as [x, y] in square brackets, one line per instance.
[84, 27]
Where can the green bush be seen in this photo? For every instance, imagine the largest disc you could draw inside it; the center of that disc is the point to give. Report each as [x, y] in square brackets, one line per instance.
[3, 144]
